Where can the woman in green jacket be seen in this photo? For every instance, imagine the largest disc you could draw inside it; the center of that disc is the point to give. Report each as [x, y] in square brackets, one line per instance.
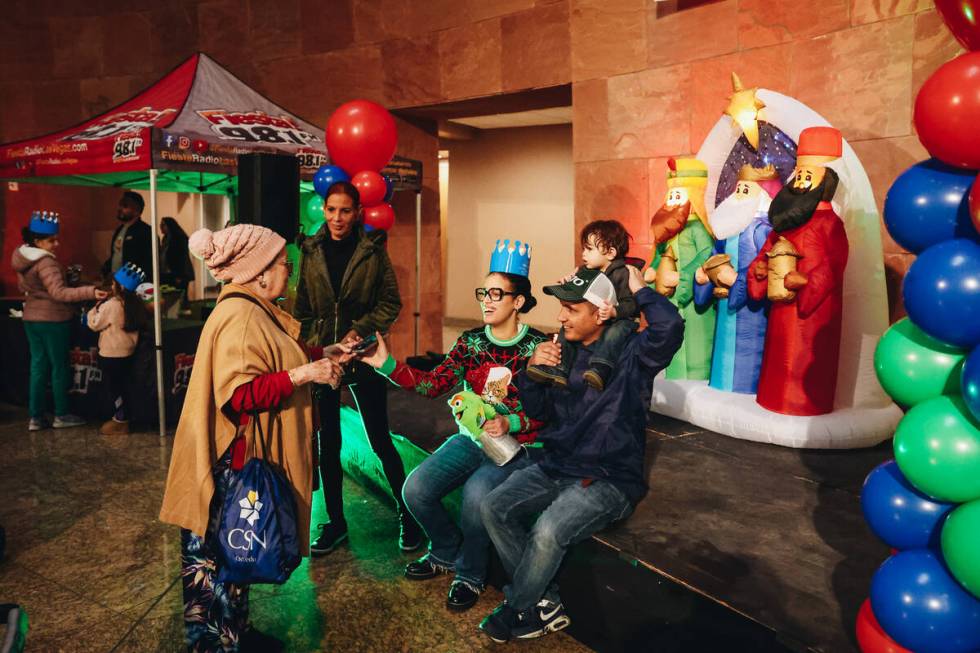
[348, 290]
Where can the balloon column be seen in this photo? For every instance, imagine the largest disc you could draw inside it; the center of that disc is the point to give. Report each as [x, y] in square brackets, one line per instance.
[925, 504]
[361, 139]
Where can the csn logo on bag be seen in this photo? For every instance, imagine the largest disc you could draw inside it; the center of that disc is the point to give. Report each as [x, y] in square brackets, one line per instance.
[257, 532]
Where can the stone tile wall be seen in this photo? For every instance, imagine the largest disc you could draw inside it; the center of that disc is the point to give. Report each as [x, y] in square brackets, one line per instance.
[645, 86]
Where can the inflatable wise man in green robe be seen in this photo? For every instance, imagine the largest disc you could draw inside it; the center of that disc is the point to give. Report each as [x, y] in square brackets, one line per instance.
[683, 242]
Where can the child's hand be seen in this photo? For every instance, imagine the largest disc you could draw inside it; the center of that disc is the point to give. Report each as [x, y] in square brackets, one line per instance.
[497, 426]
[606, 311]
[650, 275]
[700, 276]
[671, 278]
[567, 278]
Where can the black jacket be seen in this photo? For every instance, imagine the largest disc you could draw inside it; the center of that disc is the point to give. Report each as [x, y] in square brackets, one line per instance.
[175, 261]
[137, 248]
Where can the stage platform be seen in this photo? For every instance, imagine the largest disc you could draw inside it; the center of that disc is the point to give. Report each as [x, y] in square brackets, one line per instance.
[738, 546]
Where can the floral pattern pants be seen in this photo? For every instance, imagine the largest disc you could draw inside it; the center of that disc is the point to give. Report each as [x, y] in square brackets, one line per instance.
[215, 614]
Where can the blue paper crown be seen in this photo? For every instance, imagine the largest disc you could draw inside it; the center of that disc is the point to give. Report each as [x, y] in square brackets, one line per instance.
[44, 223]
[511, 258]
[129, 276]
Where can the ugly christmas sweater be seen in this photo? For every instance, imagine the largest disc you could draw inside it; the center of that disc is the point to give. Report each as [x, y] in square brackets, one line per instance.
[476, 358]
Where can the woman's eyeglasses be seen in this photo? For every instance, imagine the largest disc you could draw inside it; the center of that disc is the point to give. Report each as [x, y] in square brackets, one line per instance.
[495, 294]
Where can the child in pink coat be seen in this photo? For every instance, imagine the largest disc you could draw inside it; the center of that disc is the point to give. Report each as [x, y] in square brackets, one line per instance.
[118, 321]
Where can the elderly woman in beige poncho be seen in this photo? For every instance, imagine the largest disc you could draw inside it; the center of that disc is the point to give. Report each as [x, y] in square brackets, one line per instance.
[248, 359]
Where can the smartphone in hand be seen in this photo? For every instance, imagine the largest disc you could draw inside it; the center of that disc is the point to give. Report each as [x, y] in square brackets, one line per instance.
[365, 345]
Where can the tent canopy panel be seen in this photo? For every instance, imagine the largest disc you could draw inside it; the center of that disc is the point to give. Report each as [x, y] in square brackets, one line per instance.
[170, 181]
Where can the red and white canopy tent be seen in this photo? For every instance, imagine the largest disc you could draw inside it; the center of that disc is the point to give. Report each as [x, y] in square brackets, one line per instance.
[182, 134]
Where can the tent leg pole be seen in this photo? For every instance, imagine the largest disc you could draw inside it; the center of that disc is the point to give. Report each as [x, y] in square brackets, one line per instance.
[418, 266]
[157, 321]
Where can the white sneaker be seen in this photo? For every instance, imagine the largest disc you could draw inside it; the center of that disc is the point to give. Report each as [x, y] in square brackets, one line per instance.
[67, 421]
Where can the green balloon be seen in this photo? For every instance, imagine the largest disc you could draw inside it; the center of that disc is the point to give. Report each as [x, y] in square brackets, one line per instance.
[312, 214]
[913, 366]
[937, 447]
[961, 545]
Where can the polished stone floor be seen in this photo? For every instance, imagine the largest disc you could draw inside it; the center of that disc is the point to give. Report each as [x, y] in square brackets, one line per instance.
[95, 570]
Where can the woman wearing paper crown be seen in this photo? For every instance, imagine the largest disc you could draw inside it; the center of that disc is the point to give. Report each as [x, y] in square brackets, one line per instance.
[48, 312]
[741, 225]
[484, 361]
[801, 270]
[118, 320]
[683, 242]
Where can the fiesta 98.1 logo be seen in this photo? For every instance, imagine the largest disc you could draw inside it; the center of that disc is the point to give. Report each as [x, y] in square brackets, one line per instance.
[256, 127]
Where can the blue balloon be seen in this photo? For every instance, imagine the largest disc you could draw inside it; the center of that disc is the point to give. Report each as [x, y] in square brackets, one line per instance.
[922, 607]
[970, 382]
[900, 515]
[942, 292]
[928, 204]
[390, 192]
[326, 176]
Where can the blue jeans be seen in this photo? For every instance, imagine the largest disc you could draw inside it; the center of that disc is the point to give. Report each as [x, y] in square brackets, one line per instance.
[569, 513]
[459, 461]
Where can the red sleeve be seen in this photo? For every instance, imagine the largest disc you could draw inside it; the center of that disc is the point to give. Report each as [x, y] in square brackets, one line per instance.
[824, 259]
[314, 352]
[268, 391]
[446, 375]
[758, 289]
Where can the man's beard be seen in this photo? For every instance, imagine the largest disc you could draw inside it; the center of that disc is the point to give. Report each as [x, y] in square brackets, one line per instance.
[733, 215]
[669, 221]
[122, 217]
[793, 207]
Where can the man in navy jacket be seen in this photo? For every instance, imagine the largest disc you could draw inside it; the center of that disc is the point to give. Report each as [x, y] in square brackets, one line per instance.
[592, 470]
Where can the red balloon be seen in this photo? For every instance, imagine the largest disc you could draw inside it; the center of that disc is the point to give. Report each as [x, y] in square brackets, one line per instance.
[371, 186]
[871, 637]
[947, 112]
[361, 135]
[962, 17]
[380, 216]
[975, 203]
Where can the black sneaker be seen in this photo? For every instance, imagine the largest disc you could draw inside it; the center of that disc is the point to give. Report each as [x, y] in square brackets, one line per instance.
[499, 624]
[597, 375]
[462, 596]
[331, 535]
[255, 641]
[410, 537]
[546, 617]
[424, 569]
[548, 374]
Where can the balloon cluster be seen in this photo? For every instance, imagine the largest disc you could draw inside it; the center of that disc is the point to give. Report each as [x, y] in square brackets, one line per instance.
[925, 504]
[361, 139]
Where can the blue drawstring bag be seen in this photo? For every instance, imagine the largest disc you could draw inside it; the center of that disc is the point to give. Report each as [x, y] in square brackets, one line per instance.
[256, 531]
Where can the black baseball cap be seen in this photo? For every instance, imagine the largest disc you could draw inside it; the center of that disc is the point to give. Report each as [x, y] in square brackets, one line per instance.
[584, 286]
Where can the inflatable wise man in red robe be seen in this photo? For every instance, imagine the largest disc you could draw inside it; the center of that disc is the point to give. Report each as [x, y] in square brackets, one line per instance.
[801, 270]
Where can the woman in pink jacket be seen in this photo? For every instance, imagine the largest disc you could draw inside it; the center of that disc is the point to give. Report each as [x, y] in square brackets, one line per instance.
[47, 315]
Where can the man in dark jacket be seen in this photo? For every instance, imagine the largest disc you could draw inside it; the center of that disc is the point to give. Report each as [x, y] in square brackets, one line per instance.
[132, 240]
[591, 473]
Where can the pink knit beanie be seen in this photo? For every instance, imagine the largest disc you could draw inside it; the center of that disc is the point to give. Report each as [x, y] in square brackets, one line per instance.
[237, 254]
